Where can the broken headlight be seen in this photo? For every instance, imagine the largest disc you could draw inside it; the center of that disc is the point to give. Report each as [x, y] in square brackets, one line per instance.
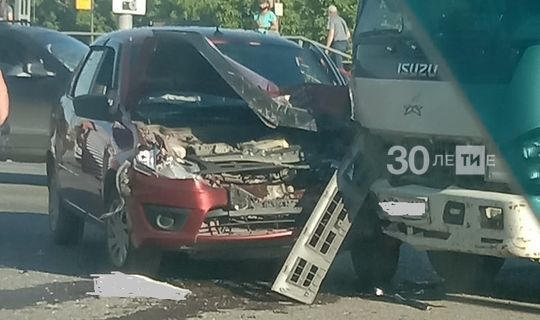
[147, 158]
[158, 162]
[145, 162]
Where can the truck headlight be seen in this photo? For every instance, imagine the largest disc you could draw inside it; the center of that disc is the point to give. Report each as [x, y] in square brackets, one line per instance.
[531, 149]
[531, 155]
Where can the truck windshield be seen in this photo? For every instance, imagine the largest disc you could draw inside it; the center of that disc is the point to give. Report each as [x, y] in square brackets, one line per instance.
[485, 35]
[518, 19]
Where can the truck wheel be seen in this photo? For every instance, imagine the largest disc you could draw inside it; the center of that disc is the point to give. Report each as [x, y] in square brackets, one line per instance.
[122, 254]
[464, 269]
[375, 260]
[66, 228]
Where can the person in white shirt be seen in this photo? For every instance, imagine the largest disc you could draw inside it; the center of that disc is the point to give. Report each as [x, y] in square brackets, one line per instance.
[338, 35]
[6, 11]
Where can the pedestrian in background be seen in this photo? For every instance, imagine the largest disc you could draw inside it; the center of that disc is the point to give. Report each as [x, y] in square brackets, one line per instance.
[338, 35]
[6, 11]
[266, 20]
[4, 100]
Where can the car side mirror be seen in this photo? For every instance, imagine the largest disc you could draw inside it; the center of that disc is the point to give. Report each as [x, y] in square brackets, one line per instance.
[94, 107]
[37, 70]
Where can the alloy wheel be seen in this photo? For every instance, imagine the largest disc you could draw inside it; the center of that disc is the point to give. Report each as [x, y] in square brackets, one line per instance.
[118, 242]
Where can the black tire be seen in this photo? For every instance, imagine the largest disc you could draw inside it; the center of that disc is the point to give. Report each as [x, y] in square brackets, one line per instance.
[374, 255]
[465, 270]
[66, 227]
[375, 260]
[123, 255]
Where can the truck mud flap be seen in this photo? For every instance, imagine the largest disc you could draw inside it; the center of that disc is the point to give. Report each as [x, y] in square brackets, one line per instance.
[313, 253]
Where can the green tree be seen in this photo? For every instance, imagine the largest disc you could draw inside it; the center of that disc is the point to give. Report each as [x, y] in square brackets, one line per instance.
[301, 17]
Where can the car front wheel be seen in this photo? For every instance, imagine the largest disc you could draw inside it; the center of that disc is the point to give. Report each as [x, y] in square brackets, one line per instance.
[122, 254]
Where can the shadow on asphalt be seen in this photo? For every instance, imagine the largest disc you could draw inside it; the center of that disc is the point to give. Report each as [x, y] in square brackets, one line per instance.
[50, 293]
[21, 178]
[25, 244]
[518, 281]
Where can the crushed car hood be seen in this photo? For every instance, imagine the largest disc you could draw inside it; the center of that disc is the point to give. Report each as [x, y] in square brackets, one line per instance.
[260, 94]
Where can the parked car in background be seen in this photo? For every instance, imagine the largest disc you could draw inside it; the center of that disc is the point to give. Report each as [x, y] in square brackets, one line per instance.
[37, 64]
[213, 142]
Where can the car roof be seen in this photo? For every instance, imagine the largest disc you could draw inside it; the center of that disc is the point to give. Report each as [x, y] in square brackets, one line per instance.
[26, 29]
[232, 35]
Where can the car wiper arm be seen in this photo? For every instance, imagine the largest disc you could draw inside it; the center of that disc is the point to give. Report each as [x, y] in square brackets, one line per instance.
[385, 31]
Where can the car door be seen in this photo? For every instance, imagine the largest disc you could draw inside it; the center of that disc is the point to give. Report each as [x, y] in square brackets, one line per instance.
[26, 135]
[85, 140]
[327, 63]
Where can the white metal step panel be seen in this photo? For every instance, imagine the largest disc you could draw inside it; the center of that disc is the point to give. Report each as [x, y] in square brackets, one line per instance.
[313, 253]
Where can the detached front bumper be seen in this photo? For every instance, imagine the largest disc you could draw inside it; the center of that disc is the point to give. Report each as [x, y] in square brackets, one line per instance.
[456, 219]
[189, 201]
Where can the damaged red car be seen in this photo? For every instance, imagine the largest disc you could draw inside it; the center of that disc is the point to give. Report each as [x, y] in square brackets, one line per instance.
[210, 141]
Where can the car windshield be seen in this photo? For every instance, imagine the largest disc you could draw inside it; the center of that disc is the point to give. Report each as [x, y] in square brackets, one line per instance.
[65, 49]
[173, 83]
[286, 66]
[191, 109]
[172, 71]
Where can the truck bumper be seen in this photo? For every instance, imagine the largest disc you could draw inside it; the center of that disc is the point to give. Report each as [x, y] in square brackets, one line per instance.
[463, 220]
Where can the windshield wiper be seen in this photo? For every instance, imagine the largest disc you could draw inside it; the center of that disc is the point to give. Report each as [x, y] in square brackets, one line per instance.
[385, 31]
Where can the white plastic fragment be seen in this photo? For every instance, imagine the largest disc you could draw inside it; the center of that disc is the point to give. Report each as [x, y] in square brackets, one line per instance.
[401, 208]
[122, 285]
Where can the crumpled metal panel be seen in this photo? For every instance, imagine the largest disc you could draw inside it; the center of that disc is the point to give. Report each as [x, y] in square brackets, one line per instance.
[274, 112]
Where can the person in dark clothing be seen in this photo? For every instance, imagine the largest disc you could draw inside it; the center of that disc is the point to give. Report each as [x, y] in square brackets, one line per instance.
[338, 35]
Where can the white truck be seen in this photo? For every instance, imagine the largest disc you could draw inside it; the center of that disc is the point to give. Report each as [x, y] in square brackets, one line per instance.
[445, 95]
[447, 89]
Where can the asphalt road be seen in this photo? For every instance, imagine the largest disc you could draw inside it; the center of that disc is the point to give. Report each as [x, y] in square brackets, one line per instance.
[39, 280]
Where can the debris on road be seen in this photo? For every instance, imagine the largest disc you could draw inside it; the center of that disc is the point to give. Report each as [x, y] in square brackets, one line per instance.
[122, 285]
[398, 298]
[412, 302]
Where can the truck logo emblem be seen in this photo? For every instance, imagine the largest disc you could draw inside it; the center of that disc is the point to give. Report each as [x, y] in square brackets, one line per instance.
[413, 108]
[418, 70]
